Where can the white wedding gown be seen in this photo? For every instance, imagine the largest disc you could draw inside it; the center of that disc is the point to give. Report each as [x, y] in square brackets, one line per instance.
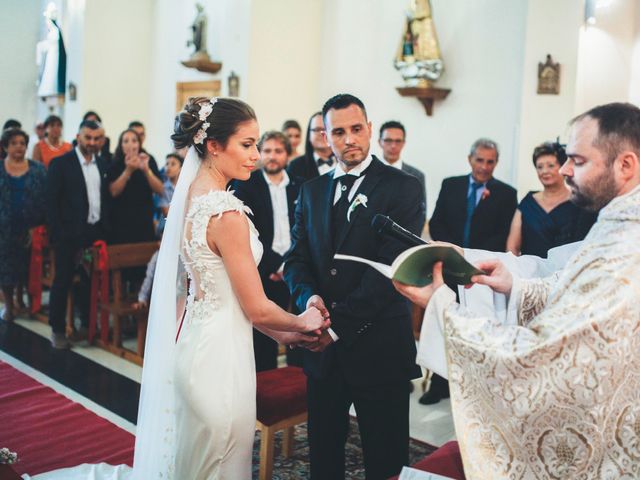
[215, 367]
[215, 377]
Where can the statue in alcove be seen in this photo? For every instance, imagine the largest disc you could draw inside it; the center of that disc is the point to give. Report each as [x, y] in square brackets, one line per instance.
[199, 34]
[418, 58]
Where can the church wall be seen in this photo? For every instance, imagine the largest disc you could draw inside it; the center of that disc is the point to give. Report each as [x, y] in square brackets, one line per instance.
[284, 63]
[19, 24]
[482, 45]
[552, 28]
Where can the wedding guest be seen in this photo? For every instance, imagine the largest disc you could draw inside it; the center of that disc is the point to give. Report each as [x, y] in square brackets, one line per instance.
[22, 206]
[293, 131]
[318, 158]
[11, 123]
[138, 127]
[52, 145]
[77, 213]
[172, 168]
[104, 143]
[547, 219]
[133, 179]
[474, 211]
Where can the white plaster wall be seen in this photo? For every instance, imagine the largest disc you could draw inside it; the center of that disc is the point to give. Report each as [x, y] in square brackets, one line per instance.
[545, 117]
[19, 33]
[284, 63]
[73, 28]
[482, 44]
[228, 41]
[605, 55]
[116, 62]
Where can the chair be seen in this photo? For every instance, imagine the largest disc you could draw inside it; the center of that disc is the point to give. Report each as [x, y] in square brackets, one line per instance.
[281, 400]
[120, 306]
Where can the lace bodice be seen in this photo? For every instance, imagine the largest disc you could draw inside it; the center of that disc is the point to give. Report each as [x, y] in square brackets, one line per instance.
[209, 283]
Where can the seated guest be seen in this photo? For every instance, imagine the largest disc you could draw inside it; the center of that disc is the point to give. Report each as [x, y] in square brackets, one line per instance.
[77, 212]
[392, 141]
[317, 158]
[271, 194]
[133, 178]
[548, 219]
[22, 206]
[474, 211]
[52, 145]
[293, 131]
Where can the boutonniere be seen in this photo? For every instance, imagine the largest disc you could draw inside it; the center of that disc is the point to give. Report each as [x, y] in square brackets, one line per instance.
[361, 199]
[485, 193]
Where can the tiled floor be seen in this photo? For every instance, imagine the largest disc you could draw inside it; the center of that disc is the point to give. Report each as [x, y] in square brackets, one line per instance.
[110, 386]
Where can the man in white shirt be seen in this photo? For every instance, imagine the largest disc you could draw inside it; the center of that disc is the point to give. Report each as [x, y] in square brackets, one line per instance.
[271, 194]
[318, 158]
[392, 140]
[76, 213]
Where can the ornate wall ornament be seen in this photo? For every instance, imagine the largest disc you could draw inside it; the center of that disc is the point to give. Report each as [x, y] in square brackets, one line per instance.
[548, 77]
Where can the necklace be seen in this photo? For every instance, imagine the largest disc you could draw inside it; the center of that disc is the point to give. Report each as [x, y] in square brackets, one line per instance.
[52, 146]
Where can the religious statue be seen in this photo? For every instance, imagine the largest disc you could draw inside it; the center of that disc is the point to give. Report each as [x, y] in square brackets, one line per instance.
[418, 58]
[51, 58]
[199, 35]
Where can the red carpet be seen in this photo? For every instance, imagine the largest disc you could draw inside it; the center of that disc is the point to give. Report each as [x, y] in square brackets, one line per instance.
[49, 431]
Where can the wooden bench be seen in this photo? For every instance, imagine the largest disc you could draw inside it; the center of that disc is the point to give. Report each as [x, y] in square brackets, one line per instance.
[120, 304]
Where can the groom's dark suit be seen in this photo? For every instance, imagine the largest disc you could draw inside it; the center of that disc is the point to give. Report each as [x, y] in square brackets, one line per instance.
[374, 356]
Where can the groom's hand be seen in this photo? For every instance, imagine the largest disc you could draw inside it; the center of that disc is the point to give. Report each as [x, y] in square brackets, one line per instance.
[323, 342]
[317, 302]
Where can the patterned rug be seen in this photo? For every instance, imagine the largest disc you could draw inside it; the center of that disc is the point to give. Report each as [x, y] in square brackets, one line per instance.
[297, 466]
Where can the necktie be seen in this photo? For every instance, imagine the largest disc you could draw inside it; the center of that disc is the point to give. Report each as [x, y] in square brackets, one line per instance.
[471, 206]
[344, 183]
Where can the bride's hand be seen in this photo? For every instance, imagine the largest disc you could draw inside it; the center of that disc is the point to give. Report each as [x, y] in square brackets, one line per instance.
[313, 321]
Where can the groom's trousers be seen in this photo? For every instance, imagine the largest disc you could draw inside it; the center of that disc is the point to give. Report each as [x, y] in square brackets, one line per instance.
[383, 421]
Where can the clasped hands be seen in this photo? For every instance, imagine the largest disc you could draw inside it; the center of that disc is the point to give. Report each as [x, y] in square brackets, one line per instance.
[498, 278]
[315, 340]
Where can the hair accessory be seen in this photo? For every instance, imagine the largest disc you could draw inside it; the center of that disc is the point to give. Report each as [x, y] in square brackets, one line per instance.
[203, 114]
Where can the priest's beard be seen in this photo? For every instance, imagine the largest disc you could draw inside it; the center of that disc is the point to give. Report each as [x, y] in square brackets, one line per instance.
[595, 194]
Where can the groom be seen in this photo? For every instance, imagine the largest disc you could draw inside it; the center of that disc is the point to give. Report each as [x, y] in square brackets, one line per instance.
[368, 354]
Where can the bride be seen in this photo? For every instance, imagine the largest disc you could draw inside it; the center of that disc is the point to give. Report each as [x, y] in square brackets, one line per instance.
[197, 409]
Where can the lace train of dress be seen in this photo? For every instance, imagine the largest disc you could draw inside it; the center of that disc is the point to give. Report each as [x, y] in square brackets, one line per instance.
[215, 370]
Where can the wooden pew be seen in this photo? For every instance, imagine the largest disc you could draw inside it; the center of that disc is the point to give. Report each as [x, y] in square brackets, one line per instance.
[120, 304]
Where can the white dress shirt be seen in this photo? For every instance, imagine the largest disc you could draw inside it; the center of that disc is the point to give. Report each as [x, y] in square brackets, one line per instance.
[324, 168]
[92, 181]
[279, 204]
[357, 172]
[397, 164]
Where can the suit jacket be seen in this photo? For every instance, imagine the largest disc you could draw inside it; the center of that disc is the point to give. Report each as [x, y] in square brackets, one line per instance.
[255, 194]
[420, 176]
[67, 200]
[491, 219]
[376, 343]
[304, 167]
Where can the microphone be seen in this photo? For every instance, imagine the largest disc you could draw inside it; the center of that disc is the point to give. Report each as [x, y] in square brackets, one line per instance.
[385, 226]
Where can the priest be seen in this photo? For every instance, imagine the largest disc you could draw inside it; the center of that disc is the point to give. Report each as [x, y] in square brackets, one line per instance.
[556, 394]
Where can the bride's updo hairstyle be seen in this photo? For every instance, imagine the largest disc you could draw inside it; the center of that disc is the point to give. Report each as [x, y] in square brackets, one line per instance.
[223, 116]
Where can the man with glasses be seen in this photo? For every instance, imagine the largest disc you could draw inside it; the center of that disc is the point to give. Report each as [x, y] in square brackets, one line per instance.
[391, 141]
[318, 158]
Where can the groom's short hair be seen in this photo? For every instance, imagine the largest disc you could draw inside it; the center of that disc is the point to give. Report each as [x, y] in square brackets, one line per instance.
[341, 101]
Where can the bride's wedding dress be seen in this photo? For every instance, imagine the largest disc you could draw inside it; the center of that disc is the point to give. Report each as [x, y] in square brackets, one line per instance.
[214, 371]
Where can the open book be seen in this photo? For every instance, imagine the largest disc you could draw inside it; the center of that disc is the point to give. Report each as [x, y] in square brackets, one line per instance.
[415, 265]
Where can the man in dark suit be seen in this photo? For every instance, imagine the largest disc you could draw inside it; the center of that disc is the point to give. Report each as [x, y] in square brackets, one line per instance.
[392, 140]
[368, 354]
[473, 211]
[318, 158]
[76, 202]
[271, 194]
